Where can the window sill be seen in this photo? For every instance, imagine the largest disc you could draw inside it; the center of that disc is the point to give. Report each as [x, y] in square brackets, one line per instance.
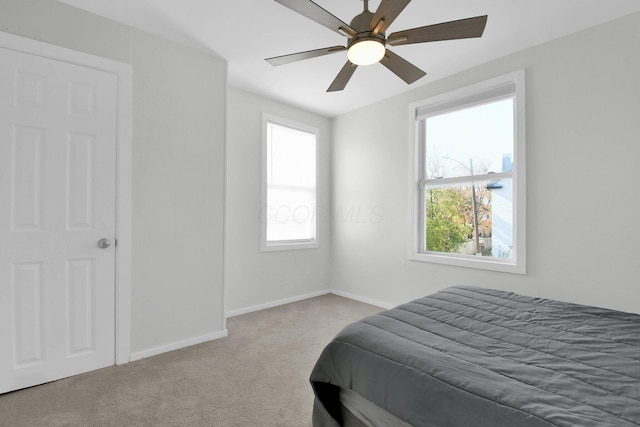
[289, 246]
[469, 261]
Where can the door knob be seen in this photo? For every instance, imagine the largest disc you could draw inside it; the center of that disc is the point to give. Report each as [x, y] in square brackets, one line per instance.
[104, 243]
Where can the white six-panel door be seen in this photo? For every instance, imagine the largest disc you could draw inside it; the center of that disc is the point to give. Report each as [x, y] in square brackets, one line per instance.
[57, 200]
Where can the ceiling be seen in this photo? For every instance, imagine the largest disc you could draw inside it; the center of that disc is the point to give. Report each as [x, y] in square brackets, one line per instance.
[244, 32]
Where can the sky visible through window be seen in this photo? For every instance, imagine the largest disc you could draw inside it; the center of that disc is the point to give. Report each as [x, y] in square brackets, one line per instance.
[483, 133]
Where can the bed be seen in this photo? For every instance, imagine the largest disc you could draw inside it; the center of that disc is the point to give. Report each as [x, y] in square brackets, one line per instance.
[468, 356]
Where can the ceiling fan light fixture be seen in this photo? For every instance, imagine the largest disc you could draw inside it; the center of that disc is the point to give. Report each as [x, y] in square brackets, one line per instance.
[367, 40]
[366, 52]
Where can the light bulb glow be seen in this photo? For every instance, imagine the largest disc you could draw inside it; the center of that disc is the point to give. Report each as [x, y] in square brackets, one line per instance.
[366, 52]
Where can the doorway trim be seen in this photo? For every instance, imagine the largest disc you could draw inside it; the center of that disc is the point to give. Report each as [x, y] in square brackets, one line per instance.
[123, 73]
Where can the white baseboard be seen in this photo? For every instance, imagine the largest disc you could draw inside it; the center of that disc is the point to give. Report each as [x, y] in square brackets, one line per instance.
[178, 345]
[272, 304]
[369, 301]
[221, 334]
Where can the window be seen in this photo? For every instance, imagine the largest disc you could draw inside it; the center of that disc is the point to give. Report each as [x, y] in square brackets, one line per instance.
[289, 191]
[467, 180]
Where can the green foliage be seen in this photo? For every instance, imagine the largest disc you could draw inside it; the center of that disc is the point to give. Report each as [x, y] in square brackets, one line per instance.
[447, 227]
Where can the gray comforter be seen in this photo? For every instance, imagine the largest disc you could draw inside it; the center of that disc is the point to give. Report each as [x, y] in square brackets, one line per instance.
[469, 356]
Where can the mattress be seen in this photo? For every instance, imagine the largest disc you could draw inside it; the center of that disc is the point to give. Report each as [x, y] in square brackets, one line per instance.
[469, 356]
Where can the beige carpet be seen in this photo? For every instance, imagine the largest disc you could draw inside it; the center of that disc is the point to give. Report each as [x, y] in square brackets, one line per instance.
[258, 376]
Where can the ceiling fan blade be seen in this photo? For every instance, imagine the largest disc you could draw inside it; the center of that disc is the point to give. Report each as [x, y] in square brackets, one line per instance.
[293, 57]
[453, 30]
[387, 12]
[318, 14]
[343, 77]
[401, 67]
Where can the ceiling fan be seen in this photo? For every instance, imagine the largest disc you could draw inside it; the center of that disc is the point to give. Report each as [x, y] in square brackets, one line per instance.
[366, 38]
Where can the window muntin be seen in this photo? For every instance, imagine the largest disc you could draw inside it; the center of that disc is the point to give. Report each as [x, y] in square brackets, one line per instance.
[289, 187]
[470, 142]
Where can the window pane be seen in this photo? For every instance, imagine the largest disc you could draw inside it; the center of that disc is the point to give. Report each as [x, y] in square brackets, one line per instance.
[291, 157]
[476, 139]
[452, 216]
[290, 214]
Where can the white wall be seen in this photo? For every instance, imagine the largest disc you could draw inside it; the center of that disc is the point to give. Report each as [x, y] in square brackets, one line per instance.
[178, 198]
[178, 167]
[583, 154]
[256, 279]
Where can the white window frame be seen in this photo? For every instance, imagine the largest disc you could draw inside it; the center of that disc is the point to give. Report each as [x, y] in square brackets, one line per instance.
[314, 242]
[478, 93]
